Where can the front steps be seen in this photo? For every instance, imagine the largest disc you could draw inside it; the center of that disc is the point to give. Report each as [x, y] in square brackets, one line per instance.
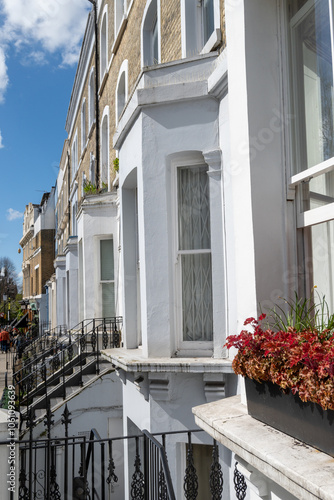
[63, 389]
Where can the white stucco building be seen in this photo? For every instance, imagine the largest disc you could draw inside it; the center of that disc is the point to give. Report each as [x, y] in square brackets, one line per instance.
[223, 203]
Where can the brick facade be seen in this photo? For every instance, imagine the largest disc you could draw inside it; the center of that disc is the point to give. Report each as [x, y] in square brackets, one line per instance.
[38, 253]
[170, 30]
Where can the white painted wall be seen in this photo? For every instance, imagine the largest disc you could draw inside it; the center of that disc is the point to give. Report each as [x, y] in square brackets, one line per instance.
[257, 212]
[97, 219]
[171, 132]
[60, 268]
[71, 253]
[130, 161]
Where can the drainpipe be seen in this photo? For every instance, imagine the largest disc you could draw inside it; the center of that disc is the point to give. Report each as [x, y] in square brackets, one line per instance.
[97, 110]
[69, 190]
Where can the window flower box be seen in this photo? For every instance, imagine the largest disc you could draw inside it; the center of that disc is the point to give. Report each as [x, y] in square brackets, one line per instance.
[290, 376]
[286, 412]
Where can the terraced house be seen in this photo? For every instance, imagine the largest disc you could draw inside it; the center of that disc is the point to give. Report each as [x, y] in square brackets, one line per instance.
[195, 189]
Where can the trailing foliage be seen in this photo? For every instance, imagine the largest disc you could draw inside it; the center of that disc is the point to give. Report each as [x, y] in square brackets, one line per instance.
[299, 360]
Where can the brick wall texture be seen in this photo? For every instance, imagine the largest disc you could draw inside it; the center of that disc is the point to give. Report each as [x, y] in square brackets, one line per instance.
[170, 30]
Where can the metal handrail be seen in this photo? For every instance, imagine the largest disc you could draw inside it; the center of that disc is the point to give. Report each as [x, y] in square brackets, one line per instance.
[86, 325]
[65, 359]
[162, 458]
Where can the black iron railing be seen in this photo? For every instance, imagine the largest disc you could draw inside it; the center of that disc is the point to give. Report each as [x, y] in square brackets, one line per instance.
[157, 480]
[90, 468]
[65, 363]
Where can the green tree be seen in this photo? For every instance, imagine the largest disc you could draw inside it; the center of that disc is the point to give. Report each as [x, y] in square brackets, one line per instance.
[8, 285]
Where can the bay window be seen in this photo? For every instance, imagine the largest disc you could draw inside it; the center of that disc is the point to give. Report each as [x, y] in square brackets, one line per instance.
[311, 28]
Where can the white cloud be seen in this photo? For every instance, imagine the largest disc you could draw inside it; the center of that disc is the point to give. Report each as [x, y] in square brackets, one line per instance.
[41, 27]
[3, 74]
[1, 143]
[14, 214]
[57, 25]
[36, 57]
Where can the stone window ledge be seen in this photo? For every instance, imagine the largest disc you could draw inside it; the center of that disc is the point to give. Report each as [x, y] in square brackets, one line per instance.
[132, 360]
[298, 468]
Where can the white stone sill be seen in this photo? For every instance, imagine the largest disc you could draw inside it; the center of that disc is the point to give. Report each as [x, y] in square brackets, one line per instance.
[132, 360]
[302, 470]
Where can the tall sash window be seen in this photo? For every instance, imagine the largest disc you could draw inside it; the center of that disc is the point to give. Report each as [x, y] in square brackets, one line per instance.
[194, 253]
[107, 278]
[311, 27]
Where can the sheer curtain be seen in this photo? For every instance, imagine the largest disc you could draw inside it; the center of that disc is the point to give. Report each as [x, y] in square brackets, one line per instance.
[107, 278]
[195, 253]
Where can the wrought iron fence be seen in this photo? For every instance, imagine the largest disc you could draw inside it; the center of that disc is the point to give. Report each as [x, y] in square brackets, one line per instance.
[87, 468]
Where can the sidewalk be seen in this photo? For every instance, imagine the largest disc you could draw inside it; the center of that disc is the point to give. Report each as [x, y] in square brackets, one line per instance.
[5, 365]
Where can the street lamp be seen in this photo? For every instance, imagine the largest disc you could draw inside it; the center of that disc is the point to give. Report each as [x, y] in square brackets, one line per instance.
[97, 110]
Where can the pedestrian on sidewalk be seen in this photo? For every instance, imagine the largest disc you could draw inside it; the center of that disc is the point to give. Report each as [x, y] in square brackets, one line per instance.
[5, 339]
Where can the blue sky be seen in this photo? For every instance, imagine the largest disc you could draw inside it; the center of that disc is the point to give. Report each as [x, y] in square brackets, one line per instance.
[39, 47]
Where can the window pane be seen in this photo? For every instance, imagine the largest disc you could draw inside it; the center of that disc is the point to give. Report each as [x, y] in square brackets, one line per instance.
[155, 51]
[196, 297]
[108, 300]
[323, 260]
[318, 192]
[208, 19]
[107, 260]
[121, 95]
[312, 60]
[193, 209]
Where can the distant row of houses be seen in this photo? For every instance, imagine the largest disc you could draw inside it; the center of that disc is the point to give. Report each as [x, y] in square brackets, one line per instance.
[195, 188]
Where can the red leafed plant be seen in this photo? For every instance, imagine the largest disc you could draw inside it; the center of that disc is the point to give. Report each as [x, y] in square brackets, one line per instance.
[302, 361]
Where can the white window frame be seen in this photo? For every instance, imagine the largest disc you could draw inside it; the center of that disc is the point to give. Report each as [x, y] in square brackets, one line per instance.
[101, 281]
[75, 155]
[150, 16]
[306, 219]
[120, 10]
[83, 183]
[105, 119]
[74, 212]
[92, 168]
[123, 71]
[104, 60]
[91, 100]
[202, 348]
[83, 125]
[325, 213]
[192, 37]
